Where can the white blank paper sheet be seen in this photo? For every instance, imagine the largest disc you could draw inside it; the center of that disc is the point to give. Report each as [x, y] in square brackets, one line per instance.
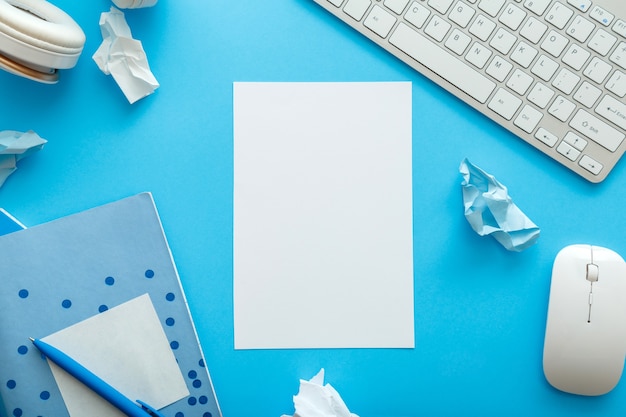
[323, 235]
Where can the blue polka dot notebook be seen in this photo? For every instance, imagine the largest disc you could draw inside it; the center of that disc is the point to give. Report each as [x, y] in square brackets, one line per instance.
[59, 273]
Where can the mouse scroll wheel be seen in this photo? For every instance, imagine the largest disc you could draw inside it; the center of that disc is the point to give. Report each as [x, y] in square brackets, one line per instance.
[592, 272]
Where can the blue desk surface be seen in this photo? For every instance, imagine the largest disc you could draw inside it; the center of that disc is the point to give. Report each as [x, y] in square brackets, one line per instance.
[479, 310]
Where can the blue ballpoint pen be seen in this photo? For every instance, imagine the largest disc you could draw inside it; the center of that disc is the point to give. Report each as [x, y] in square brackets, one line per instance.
[124, 404]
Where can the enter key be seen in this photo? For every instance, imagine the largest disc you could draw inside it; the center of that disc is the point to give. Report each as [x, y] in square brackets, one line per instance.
[612, 110]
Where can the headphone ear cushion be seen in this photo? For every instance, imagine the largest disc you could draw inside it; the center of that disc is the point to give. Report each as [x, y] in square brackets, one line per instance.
[39, 33]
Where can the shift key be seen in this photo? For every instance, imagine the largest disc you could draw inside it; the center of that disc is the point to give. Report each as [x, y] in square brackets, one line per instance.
[597, 130]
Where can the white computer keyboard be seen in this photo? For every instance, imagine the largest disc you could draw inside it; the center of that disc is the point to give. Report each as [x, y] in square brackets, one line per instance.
[552, 72]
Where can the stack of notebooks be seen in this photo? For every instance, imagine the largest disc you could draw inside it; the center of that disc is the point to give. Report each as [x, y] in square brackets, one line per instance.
[102, 286]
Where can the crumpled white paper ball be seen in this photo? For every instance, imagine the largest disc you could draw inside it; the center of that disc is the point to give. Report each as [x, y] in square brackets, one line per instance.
[314, 399]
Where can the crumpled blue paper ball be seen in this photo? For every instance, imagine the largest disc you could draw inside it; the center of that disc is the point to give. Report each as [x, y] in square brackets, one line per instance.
[490, 210]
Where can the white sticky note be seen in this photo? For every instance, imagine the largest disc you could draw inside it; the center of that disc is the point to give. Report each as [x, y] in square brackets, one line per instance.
[127, 348]
[323, 251]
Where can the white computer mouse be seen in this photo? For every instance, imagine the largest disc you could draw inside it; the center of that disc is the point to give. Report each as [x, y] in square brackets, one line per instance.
[585, 340]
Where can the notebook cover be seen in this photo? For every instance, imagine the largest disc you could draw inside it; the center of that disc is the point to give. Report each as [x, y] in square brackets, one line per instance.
[59, 273]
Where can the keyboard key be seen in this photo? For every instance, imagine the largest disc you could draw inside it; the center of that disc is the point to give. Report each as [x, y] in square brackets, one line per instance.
[575, 140]
[600, 15]
[528, 119]
[597, 70]
[562, 108]
[336, 2]
[437, 28]
[533, 30]
[458, 42]
[503, 41]
[512, 16]
[417, 15]
[396, 6]
[554, 44]
[537, 6]
[540, 95]
[546, 137]
[505, 104]
[596, 130]
[619, 55]
[602, 42]
[587, 94]
[356, 8]
[442, 63]
[617, 84]
[441, 6]
[524, 54]
[568, 151]
[576, 56]
[559, 15]
[580, 29]
[612, 110]
[461, 14]
[380, 21]
[499, 68]
[478, 55]
[620, 28]
[566, 81]
[582, 5]
[519, 82]
[545, 68]
[482, 27]
[491, 7]
[590, 164]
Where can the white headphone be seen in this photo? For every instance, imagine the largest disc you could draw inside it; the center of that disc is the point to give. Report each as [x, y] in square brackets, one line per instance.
[37, 39]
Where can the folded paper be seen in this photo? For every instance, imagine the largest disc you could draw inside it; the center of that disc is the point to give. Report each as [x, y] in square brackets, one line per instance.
[490, 210]
[15, 146]
[123, 57]
[314, 399]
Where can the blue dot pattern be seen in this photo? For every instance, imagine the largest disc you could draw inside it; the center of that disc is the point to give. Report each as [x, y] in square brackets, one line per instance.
[127, 257]
[196, 379]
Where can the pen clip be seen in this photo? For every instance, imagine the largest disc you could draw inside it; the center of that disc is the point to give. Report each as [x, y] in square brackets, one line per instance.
[151, 411]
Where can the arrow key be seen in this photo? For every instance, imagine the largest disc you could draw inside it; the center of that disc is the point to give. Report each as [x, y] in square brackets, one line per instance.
[546, 137]
[590, 164]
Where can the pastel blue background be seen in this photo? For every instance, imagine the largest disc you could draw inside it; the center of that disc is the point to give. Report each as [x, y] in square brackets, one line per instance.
[479, 310]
